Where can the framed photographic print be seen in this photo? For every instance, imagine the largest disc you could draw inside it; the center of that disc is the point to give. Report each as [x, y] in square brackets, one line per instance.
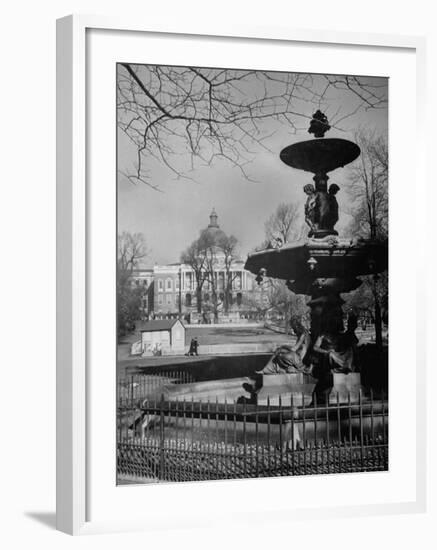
[235, 208]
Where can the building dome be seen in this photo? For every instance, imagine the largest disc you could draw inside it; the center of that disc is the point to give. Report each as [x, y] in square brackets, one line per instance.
[213, 219]
[213, 228]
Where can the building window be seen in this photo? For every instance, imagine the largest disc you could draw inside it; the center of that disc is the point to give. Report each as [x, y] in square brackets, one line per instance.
[221, 280]
[169, 299]
[188, 280]
[188, 300]
[160, 300]
[177, 281]
[169, 285]
[206, 297]
[239, 299]
[160, 285]
[238, 281]
[249, 282]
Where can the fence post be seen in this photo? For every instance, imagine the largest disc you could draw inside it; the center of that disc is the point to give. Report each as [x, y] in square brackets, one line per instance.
[351, 449]
[326, 444]
[281, 465]
[361, 429]
[161, 438]
[269, 453]
[256, 441]
[217, 451]
[244, 439]
[339, 435]
[292, 447]
[184, 454]
[304, 434]
[225, 456]
[234, 455]
[132, 391]
[208, 452]
[177, 454]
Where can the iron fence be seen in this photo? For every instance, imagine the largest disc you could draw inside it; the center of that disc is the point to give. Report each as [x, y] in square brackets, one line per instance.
[191, 440]
[137, 387]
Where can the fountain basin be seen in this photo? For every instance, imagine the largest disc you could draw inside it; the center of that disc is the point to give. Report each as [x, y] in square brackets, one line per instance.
[320, 155]
[341, 259]
[287, 388]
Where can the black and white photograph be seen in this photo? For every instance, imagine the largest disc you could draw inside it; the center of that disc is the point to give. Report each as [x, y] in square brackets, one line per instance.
[252, 274]
[218, 316]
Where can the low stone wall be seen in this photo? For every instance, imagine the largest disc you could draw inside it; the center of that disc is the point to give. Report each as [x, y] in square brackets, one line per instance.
[274, 328]
[239, 324]
[206, 367]
[224, 349]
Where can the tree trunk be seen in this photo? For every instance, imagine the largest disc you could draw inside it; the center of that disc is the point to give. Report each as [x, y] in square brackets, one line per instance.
[226, 301]
[378, 317]
[199, 299]
[215, 305]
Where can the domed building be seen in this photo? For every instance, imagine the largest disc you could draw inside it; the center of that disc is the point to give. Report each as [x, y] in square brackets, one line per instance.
[213, 226]
[174, 290]
[213, 232]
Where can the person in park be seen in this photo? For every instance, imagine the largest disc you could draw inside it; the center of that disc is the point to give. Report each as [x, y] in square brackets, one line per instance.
[194, 346]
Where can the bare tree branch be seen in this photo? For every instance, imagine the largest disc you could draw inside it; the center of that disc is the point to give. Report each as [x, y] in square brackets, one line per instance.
[171, 114]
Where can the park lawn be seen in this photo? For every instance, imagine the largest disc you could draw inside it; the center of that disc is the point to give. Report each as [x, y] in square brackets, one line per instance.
[207, 336]
[230, 335]
[219, 335]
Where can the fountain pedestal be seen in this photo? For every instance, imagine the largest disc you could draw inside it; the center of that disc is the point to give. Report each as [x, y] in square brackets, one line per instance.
[345, 387]
[298, 389]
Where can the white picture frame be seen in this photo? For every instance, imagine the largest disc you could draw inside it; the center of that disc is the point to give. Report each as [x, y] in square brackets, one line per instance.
[74, 394]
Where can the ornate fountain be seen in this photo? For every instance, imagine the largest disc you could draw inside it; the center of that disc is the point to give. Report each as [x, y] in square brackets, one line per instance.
[323, 265]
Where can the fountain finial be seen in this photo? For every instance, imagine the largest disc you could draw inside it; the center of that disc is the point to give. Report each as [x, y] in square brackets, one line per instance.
[319, 124]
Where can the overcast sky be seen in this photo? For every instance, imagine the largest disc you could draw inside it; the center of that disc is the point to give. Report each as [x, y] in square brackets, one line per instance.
[171, 219]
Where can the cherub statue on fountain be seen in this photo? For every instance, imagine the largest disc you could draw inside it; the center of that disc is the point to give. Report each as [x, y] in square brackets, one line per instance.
[311, 208]
[321, 210]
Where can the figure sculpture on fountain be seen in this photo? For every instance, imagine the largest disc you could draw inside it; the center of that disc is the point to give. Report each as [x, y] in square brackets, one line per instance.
[321, 207]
